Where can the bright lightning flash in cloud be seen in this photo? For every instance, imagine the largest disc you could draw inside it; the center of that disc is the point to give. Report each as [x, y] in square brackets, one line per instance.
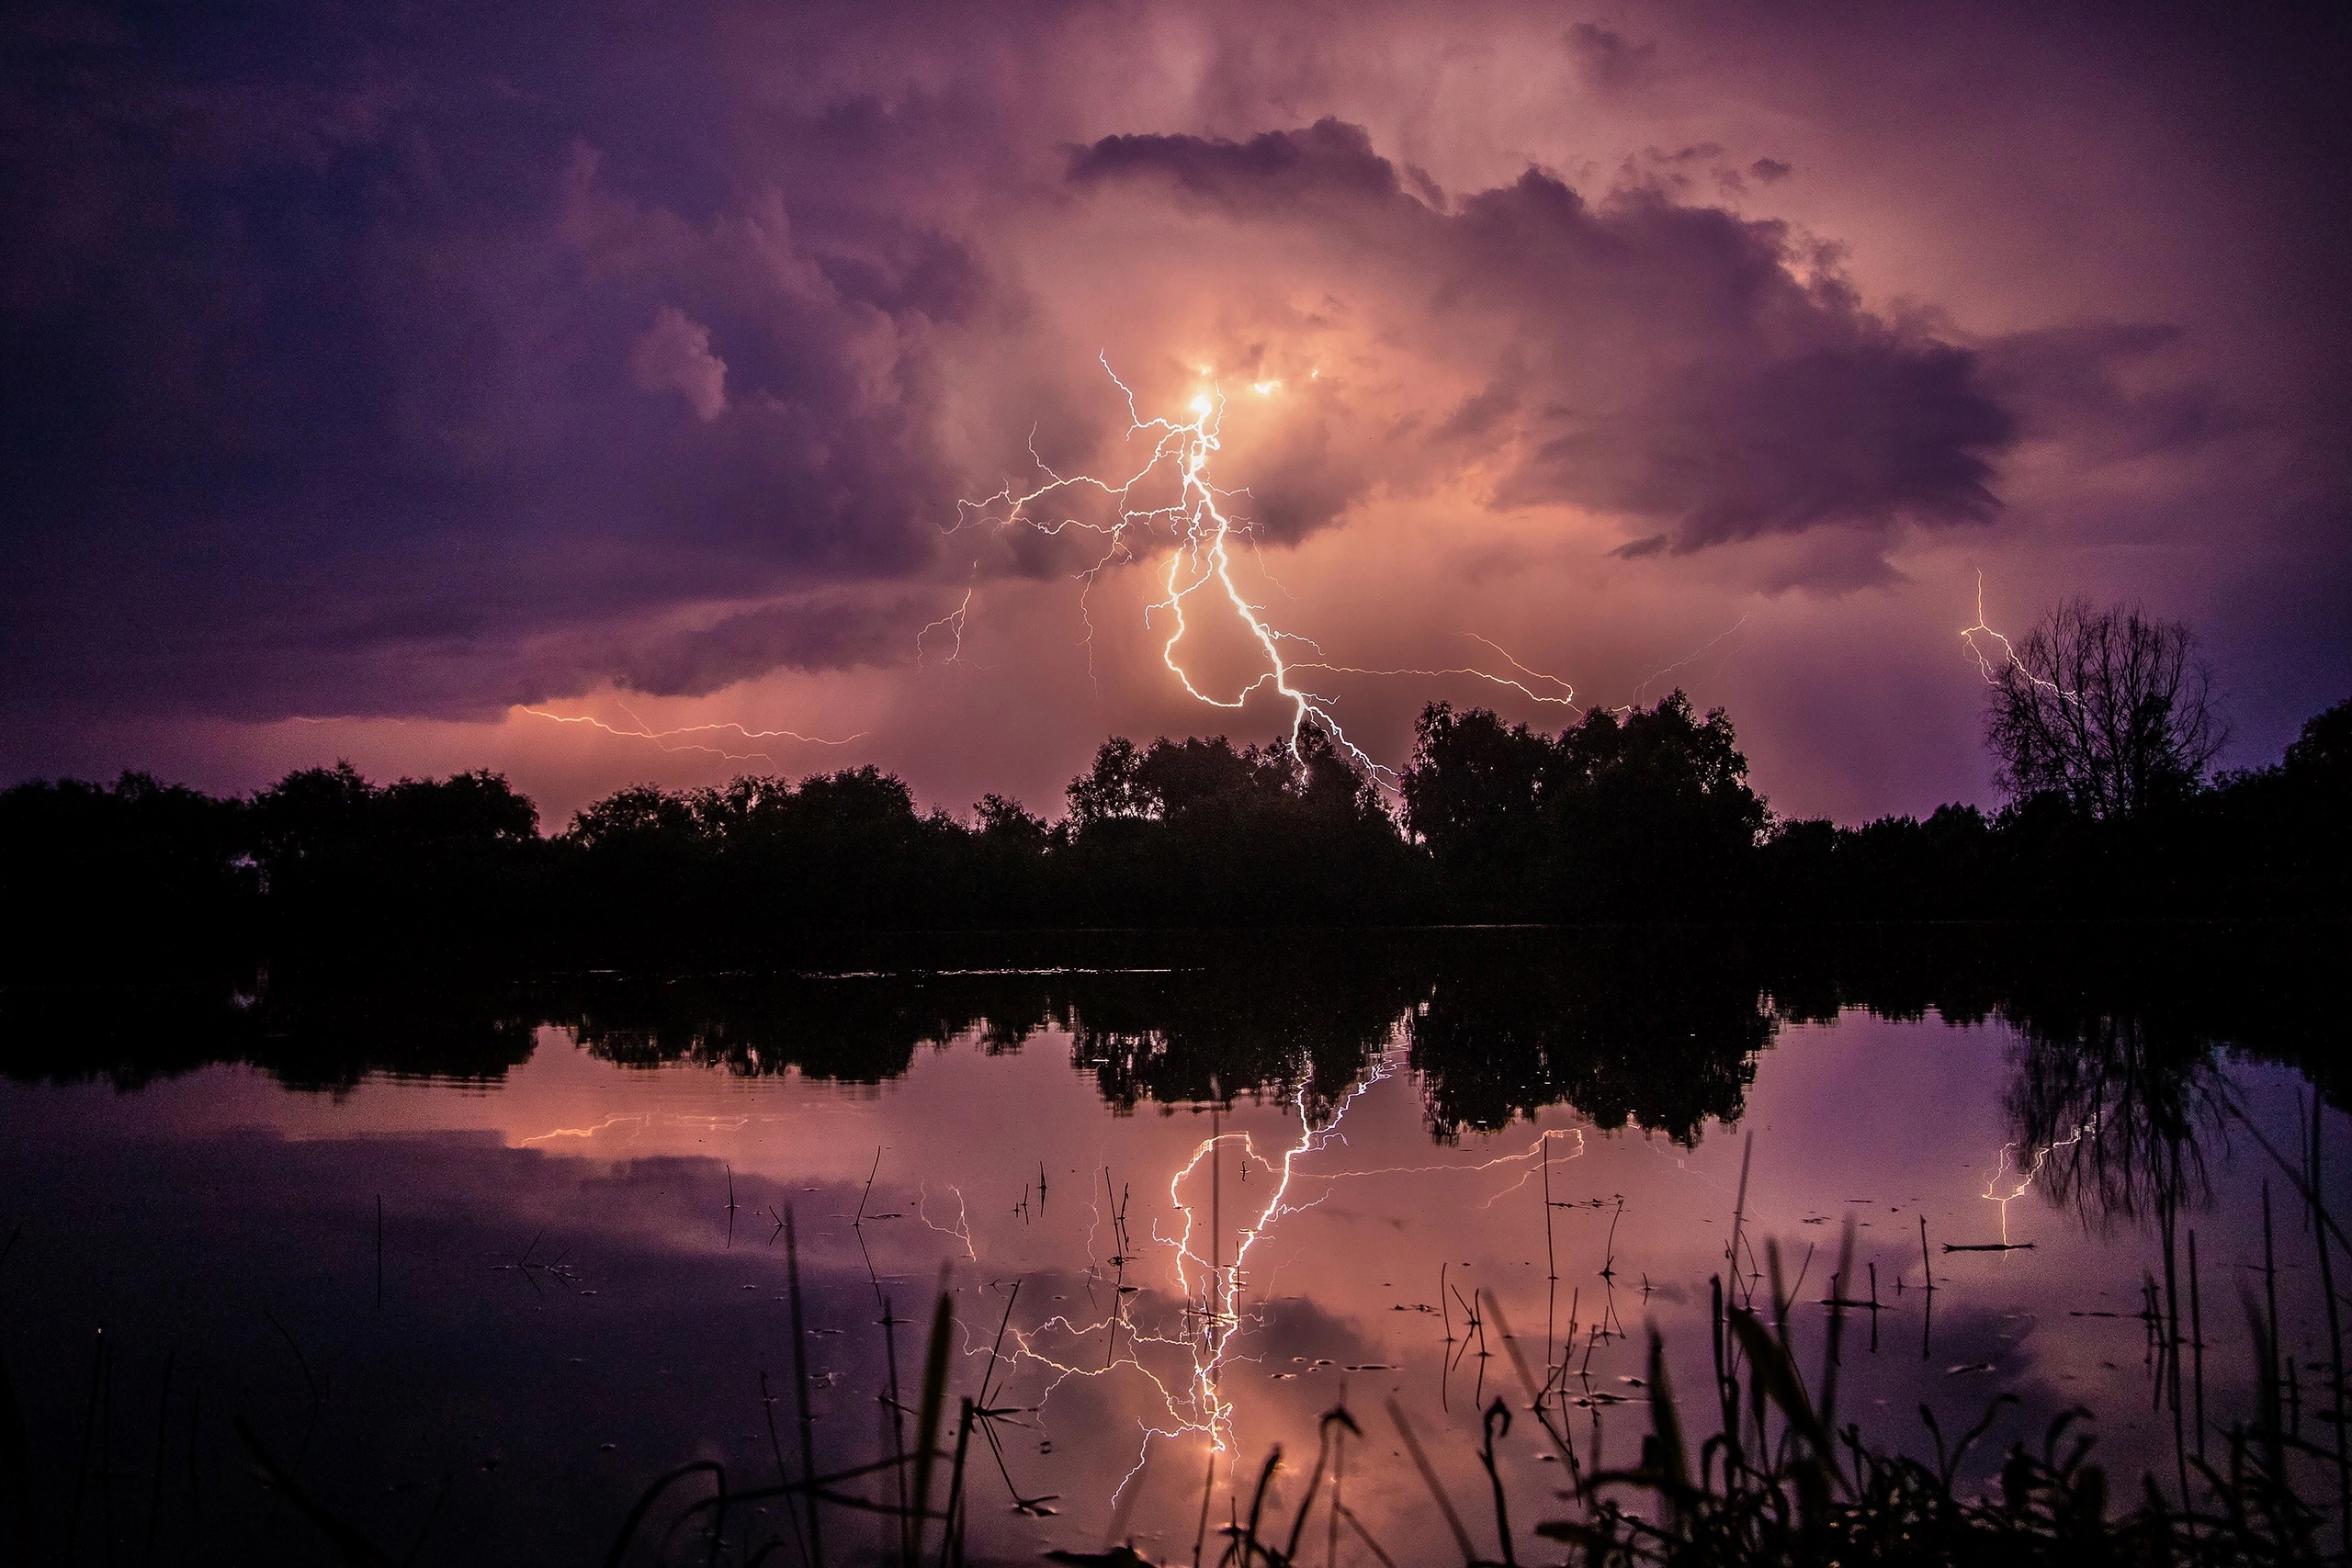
[1170, 495]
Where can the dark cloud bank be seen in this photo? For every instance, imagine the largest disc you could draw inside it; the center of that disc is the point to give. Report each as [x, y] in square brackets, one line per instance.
[350, 372]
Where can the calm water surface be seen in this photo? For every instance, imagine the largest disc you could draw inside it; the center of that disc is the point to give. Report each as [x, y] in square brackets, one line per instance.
[1226, 1203]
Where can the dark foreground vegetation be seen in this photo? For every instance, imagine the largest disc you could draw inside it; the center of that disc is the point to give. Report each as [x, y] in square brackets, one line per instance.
[1642, 816]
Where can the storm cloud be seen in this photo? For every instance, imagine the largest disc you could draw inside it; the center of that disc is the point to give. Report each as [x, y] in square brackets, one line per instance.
[320, 389]
[1670, 364]
[386, 363]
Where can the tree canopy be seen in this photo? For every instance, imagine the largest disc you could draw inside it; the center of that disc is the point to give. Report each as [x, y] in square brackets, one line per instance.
[1647, 812]
[2110, 708]
[1635, 815]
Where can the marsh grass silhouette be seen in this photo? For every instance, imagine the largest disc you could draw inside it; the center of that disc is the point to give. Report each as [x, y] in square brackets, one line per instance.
[1779, 1480]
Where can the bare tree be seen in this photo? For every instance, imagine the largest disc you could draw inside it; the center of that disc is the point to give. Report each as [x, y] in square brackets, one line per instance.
[2109, 707]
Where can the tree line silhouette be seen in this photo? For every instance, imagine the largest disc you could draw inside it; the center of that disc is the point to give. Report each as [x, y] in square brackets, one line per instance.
[1645, 815]
[1657, 1026]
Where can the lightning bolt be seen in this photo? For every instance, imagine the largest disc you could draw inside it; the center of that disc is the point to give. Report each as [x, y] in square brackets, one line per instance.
[667, 739]
[1214, 1311]
[1565, 697]
[1212, 1294]
[581, 1132]
[1169, 494]
[1526, 1156]
[2008, 655]
[953, 621]
[961, 1230]
[2022, 1178]
[1695, 654]
[644, 1122]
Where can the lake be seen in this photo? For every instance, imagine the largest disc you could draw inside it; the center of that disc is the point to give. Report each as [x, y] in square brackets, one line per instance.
[476, 1262]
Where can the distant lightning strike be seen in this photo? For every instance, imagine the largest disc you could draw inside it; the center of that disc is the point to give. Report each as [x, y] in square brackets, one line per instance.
[954, 622]
[1689, 658]
[1568, 691]
[667, 739]
[2009, 655]
[961, 1230]
[1565, 697]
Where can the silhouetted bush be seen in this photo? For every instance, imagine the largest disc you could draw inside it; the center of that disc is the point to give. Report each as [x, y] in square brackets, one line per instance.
[1195, 832]
[136, 872]
[1645, 816]
[422, 867]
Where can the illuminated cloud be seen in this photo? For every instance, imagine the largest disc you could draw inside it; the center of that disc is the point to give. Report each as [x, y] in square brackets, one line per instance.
[1608, 59]
[1672, 364]
[675, 356]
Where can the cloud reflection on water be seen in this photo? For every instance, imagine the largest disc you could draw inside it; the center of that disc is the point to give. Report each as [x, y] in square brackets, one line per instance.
[597, 1133]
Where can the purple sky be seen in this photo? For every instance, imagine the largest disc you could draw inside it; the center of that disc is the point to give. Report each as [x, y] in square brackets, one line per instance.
[393, 382]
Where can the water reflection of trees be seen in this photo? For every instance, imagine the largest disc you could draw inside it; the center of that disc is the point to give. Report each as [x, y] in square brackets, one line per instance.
[1496, 1028]
[2125, 1107]
[2123, 1060]
[1169, 1035]
[1645, 1036]
[1266, 1030]
[306, 1036]
[1658, 1029]
[848, 1029]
